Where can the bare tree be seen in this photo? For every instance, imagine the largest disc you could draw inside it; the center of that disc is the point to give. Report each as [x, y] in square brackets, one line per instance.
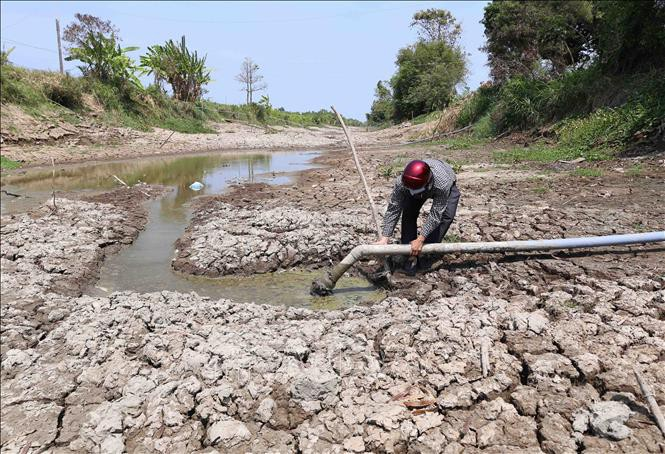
[251, 79]
[77, 32]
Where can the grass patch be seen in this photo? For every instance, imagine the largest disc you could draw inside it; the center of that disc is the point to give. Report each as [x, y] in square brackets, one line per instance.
[586, 172]
[543, 153]
[452, 238]
[6, 163]
[635, 171]
[540, 190]
[461, 143]
[393, 168]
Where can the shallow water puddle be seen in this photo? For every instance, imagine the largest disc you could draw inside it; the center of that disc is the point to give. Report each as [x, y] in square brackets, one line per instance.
[215, 170]
[145, 266]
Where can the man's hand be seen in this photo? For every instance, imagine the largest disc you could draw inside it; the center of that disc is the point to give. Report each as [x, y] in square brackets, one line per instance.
[417, 246]
[383, 240]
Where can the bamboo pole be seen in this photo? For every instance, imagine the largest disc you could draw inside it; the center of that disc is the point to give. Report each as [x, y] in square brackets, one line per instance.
[360, 171]
[651, 400]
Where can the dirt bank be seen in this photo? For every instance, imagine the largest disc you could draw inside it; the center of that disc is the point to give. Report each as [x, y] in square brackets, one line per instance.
[169, 372]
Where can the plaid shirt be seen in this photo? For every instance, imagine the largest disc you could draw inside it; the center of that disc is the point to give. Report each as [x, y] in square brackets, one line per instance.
[438, 189]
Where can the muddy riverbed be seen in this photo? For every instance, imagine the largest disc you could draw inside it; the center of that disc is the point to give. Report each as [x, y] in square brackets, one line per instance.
[179, 372]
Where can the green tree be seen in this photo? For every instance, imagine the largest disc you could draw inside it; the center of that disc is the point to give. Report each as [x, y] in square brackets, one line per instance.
[537, 38]
[104, 59]
[184, 70]
[426, 77]
[630, 35]
[437, 25]
[382, 110]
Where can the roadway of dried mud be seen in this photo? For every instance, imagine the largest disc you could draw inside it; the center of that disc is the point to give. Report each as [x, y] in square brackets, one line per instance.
[168, 372]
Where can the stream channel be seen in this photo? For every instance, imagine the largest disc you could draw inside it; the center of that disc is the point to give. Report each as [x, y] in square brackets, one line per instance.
[145, 265]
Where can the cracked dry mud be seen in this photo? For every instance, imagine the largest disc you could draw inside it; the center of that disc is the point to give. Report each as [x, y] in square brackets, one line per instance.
[169, 372]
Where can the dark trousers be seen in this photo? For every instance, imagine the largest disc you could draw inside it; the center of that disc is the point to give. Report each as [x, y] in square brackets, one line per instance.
[411, 211]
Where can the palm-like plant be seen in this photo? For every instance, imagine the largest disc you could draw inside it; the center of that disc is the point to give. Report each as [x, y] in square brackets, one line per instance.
[104, 59]
[185, 71]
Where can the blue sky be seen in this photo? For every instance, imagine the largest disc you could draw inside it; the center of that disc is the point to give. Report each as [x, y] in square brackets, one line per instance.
[312, 54]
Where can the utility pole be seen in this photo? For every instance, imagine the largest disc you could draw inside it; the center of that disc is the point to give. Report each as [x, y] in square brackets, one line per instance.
[57, 31]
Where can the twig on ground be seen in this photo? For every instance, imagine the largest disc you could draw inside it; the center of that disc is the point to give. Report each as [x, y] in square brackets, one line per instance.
[167, 139]
[484, 357]
[11, 194]
[651, 400]
[128, 186]
[55, 208]
[121, 182]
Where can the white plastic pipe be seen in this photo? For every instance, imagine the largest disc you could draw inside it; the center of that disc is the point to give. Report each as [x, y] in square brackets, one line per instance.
[326, 283]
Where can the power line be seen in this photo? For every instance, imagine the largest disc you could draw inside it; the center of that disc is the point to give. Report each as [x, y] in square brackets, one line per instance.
[349, 14]
[17, 22]
[18, 43]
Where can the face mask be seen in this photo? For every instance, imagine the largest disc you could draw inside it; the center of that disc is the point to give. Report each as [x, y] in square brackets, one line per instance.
[417, 191]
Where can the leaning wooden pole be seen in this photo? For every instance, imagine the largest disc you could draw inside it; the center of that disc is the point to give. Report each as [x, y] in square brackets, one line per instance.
[360, 171]
[651, 400]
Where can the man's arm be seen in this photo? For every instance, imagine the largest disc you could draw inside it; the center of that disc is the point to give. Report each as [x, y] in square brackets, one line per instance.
[393, 211]
[439, 202]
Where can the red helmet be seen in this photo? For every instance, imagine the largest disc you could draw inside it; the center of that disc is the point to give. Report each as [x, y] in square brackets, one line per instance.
[416, 174]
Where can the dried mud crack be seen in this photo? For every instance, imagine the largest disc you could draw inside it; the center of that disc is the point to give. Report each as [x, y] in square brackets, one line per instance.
[172, 372]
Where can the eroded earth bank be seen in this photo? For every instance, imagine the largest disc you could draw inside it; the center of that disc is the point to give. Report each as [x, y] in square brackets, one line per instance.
[169, 372]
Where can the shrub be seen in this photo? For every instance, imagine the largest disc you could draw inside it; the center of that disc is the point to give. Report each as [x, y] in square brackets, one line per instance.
[477, 105]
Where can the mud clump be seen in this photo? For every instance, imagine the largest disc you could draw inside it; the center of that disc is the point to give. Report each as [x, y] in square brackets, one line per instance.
[224, 239]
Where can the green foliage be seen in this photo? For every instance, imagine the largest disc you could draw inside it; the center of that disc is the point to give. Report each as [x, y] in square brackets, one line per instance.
[520, 104]
[394, 168]
[382, 110]
[67, 93]
[6, 163]
[427, 73]
[16, 87]
[437, 25]
[184, 70]
[617, 127]
[634, 171]
[544, 153]
[460, 143]
[104, 59]
[477, 105]
[536, 38]
[484, 128]
[4, 56]
[629, 36]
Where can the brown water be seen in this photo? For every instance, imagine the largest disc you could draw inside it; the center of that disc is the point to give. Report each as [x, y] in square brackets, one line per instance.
[145, 266]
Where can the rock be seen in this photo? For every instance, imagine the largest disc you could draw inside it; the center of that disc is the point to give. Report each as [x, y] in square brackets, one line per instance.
[314, 384]
[537, 321]
[264, 412]
[228, 433]
[588, 364]
[607, 420]
[355, 444]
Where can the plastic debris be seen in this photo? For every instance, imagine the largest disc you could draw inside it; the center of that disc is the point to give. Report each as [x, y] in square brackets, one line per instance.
[196, 186]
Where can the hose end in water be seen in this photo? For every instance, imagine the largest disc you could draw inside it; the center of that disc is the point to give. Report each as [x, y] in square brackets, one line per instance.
[322, 286]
